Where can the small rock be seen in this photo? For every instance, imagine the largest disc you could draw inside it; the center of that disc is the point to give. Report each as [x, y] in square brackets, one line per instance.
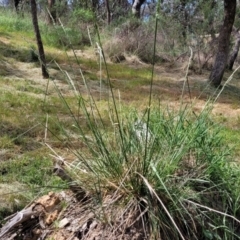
[64, 222]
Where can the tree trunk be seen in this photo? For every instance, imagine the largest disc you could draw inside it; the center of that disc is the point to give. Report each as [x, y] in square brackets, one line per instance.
[52, 12]
[108, 12]
[184, 20]
[235, 51]
[219, 66]
[38, 38]
[19, 7]
[16, 4]
[136, 8]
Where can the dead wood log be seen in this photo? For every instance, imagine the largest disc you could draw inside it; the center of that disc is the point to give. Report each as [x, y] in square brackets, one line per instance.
[18, 218]
[80, 193]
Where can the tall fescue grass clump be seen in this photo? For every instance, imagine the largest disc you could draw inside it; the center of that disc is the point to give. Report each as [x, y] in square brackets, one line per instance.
[172, 165]
[166, 172]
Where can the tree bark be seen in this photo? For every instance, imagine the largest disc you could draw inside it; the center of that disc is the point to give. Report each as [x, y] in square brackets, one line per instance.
[38, 38]
[136, 8]
[235, 51]
[219, 66]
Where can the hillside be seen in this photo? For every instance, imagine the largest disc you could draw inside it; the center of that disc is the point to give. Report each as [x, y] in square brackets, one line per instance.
[41, 144]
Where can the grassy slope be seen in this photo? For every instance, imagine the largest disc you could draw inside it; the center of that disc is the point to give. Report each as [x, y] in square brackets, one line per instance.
[25, 109]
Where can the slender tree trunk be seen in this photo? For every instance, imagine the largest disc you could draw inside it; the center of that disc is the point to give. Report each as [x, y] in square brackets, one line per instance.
[38, 38]
[19, 7]
[219, 66]
[185, 21]
[234, 53]
[16, 4]
[52, 12]
[108, 12]
[136, 8]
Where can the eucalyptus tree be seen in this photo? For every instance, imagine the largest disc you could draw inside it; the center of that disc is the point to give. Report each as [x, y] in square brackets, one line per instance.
[136, 7]
[235, 50]
[39, 39]
[220, 63]
[108, 11]
[236, 36]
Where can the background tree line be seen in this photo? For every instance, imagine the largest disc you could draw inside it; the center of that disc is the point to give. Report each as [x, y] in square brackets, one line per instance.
[205, 26]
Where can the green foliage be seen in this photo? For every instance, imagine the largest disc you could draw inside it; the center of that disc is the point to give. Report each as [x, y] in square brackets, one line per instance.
[34, 172]
[57, 36]
[15, 24]
[23, 178]
[13, 198]
[82, 15]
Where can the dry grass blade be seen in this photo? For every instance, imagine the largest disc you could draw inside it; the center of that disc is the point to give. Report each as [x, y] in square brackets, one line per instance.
[186, 76]
[160, 201]
[124, 178]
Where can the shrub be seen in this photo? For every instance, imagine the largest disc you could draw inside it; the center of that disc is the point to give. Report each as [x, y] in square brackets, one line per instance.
[136, 38]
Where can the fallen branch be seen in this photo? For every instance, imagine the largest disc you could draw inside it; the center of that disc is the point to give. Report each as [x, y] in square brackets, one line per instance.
[80, 194]
[19, 218]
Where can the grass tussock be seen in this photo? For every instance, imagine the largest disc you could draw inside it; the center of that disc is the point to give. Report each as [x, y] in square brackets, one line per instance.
[169, 172]
[162, 174]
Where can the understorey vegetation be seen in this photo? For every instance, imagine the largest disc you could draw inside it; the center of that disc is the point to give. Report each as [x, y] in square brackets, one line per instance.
[142, 149]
